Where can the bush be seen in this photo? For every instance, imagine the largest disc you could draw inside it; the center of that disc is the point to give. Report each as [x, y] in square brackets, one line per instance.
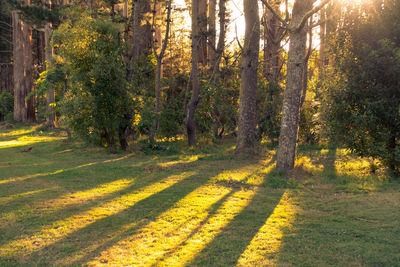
[98, 104]
[6, 105]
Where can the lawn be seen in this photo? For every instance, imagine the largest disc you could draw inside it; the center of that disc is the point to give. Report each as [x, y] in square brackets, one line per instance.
[66, 203]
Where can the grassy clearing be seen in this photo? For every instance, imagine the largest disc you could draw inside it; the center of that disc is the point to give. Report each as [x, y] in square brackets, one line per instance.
[64, 203]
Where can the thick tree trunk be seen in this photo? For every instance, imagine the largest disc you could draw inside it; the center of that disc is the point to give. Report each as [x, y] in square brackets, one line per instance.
[202, 17]
[272, 59]
[18, 71]
[294, 78]
[24, 109]
[194, 100]
[248, 90]
[212, 34]
[142, 36]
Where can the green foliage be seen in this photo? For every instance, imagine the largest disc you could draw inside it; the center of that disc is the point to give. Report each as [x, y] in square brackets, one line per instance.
[218, 109]
[269, 105]
[172, 112]
[97, 104]
[364, 107]
[6, 105]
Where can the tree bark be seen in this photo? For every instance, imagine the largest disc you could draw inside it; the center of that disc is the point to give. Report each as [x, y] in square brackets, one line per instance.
[291, 102]
[202, 24]
[272, 41]
[212, 53]
[248, 90]
[194, 100]
[50, 100]
[24, 109]
[50, 108]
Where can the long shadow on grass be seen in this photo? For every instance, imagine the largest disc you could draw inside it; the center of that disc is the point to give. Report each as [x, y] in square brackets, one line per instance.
[329, 165]
[37, 219]
[140, 213]
[227, 247]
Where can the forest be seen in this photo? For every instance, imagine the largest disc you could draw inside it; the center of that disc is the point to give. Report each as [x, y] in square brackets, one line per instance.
[164, 132]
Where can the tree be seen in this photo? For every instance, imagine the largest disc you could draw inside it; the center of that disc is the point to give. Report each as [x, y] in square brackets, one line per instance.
[24, 109]
[159, 57]
[97, 104]
[302, 11]
[363, 107]
[248, 90]
[194, 100]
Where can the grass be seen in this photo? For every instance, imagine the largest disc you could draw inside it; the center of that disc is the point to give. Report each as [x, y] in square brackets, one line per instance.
[68, 204]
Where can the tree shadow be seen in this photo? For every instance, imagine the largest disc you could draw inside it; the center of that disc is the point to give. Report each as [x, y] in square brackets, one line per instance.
[138, 215]
[229, 244]
[45, 214]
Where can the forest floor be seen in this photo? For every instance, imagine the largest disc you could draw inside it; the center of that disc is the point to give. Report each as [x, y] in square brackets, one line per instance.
[66, 203]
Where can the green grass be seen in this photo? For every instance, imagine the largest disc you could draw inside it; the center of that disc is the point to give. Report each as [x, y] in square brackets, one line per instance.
[66, 203]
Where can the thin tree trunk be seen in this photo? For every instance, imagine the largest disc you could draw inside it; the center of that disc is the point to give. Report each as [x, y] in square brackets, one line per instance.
[28, 72]
[159, 56]
[248, 90]
[291, 102]
[322, 37]
[50, 108]
[50, 101]
[194, 100]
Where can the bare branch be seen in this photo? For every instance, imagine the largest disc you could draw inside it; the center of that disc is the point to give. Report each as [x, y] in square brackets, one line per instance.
[237, 38]
[284, 22]
[310, 13]
[164, 47]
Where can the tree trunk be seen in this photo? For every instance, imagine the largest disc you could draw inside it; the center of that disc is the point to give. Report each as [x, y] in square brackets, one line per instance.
[50, 101]
[272, 60]
[202, 24]
[19, 84]
[194, 100]
[142, 36]
[248, 90]
[322, 37]
[24, 109]
[212, 34]
[157, 87]
[291, 102]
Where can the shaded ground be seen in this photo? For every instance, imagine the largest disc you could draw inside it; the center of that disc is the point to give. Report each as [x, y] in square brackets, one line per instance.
[63, 203]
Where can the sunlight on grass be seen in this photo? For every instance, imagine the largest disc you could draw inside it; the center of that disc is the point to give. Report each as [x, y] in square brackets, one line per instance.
[186, 160]
[28, 140]
[30, 176]
[20, 132]
[67, 200]
[6, 199]
[60, 229]
[306, 163]
[209, 229]
[181, 232]
[347, 163]
[264, 247]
